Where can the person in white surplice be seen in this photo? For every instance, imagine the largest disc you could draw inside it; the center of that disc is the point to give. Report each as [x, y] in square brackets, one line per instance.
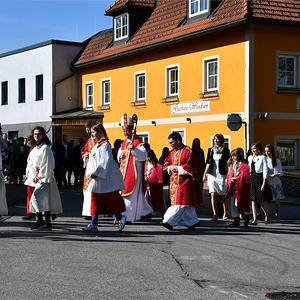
[42, 187]
[3, 204]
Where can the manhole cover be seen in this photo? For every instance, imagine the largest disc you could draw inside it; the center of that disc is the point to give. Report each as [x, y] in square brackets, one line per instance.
[283, 296]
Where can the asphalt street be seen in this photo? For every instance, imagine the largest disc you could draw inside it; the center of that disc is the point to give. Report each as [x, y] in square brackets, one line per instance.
[146, 261]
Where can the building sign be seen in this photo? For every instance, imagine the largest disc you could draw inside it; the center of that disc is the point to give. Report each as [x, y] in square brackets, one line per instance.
[190, 107]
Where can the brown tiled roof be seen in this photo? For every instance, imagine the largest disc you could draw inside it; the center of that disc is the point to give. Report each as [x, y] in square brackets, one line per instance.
[122, 3]
[164, 24]
[276, 9]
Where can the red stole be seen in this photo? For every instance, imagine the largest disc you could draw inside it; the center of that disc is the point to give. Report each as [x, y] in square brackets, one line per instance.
[182, 187]
[128, 167]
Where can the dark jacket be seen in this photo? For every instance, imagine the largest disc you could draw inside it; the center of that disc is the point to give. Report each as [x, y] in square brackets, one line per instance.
[222, 162]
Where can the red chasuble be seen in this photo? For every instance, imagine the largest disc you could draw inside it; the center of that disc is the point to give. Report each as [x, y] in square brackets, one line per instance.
[182, 187]
[87, 149]
[128, 167]
[241, 190]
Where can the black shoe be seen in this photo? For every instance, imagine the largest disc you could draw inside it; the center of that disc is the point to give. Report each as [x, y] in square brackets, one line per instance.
[53, 217]
[38, 226]
[167, 225]
[246, 220]
[194, 226]
[235, 223]
[88, 218]
[48, 227]
[28, 217]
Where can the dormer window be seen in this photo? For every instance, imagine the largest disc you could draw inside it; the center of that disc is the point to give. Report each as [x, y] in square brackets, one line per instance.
[121, 26]
[197, 7]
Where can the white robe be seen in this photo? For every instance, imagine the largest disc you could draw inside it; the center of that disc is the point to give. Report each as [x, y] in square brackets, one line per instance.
[136, 204]
[3, 203]
[102, 164]
[46, 196]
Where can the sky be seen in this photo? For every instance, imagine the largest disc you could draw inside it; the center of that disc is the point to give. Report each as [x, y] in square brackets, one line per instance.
[24, 23]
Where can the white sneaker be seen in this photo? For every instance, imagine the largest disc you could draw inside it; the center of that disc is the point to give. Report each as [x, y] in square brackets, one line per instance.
[122, 223]
[90, 228]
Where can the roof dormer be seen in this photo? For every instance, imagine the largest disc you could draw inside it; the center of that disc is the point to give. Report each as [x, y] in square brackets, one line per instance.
[129, 16]
[200, 9]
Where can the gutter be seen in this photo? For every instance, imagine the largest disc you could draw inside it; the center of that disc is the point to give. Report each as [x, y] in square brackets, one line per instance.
[160, 44]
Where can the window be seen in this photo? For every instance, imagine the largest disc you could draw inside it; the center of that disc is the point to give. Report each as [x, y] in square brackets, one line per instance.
[39, 87]
[21, 90]
[287, 152]
[121, 27]
[144, 136]
[172, 81]
[287, 71]
[13, 135]
[89, 94]
[197, 7]
[181, 131]
[140, 87]
[211, 74]
[105, 94]
[226, 141]
[4, 93]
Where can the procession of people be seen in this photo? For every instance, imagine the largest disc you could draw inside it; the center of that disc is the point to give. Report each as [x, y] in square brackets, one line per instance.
[127, 181]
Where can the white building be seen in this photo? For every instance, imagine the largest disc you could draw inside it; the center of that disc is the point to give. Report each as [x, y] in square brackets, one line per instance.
[29, 79]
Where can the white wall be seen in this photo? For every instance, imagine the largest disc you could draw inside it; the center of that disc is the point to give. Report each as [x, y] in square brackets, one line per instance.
[27, 65]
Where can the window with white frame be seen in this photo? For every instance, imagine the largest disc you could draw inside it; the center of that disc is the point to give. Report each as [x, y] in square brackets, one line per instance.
[211, 74]
[89, 94]
[140, 86]
[287, 71]
[197, 7]
[287, 150]
[181, 131]
[121, 26]
[226, 141]
[144, 136]
[172, 81]
[105, 92]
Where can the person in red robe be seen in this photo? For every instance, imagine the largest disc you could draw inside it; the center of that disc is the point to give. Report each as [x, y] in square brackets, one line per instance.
[132, 156]
[200, 163]
[154, 179]
[181, 165]
[238, 190]
[86, 208]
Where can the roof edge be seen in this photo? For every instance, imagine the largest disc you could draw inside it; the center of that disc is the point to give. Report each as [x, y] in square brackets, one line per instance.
[160, 44]
[39, 45]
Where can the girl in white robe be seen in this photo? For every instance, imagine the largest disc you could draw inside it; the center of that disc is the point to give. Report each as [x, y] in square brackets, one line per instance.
[40, 179]
[106, 181]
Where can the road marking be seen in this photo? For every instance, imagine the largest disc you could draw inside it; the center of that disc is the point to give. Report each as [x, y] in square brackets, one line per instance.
[240, 294]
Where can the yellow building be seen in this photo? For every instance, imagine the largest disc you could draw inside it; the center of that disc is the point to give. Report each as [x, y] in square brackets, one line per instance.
[186, 65]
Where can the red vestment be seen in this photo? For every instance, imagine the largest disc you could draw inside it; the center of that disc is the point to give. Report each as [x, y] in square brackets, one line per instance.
[155, 182]
[87, 149]
[182, 187]
[240, 190]
[128, 167]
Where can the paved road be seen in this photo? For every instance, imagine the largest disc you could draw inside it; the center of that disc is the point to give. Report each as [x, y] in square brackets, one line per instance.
[146, 261]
